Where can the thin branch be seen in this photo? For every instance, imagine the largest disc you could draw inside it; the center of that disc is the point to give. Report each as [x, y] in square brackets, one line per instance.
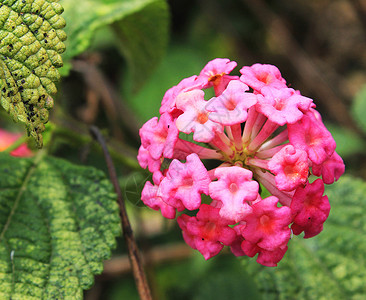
[76, 134]
[113, 105]
[133, 251]
[118, 266]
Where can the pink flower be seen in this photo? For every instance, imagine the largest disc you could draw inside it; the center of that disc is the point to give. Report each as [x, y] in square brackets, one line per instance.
[268, 225]
[265, 257]
[234, 189]
[282, 106]
[235, 246]
[331, 169]
[147, 161]
[159, 137]
[290, 165]
[215, 74]
[232, 105]
[310, 135]
[258, 76]
[207, 232]
[152, 198]
[310, 209]
[184, 183]
[195, 117]
[187, 84]
[269, 136]
[7, 139]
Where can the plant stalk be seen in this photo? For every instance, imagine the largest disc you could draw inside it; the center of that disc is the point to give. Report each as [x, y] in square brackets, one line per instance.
[133, 251]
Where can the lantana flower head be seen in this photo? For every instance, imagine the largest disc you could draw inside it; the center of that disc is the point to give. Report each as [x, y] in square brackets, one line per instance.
[256, 133]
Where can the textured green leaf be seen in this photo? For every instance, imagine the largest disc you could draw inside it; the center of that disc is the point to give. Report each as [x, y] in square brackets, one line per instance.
[58, 222]
[141, 26]
[329, 266]
[359, 108]
[31, 40]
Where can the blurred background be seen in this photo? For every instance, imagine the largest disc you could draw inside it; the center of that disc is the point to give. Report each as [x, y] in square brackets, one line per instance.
[319, 47]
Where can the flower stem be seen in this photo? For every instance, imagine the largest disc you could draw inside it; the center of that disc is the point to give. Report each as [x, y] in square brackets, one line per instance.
[222, 142]
[202, 152]
[256, 162]
[268, 182]
[268, 128]
[133, 251]
[236, 134]
[269, 152]
[278, 139]
[252, 116]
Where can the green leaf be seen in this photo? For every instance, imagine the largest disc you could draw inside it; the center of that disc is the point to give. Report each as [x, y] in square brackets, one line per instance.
[141, 27]
[180, 62]
[329, 266]
[143, 39]
[31, 40]
[58, 222]
[359, 108]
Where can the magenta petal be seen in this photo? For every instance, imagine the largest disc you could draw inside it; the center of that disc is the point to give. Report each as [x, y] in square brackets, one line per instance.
[147, 161]
[206, 232]
[310, 135]
[184, 183]
[159, 137]
[151, 199]
[234, 188]
[268, 225]
[195, 117]
[258, 76]
[310, 209]
[265, 257]
[331, 169]
[218, 66]
[231, 107]
[282, 106]
[168, 103]
[290, 165]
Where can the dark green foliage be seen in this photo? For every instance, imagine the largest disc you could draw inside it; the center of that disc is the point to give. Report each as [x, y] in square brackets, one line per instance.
[141, 31]
[31, 40]
[58, 223]
[329, 266]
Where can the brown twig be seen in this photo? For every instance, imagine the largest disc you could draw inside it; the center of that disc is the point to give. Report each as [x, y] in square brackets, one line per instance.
[76, 134]
[113, 106]
[118, 266]
[133, 251]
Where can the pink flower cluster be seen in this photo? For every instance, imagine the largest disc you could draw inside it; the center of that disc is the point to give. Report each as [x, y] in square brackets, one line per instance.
[8, 138]
[262, 134]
